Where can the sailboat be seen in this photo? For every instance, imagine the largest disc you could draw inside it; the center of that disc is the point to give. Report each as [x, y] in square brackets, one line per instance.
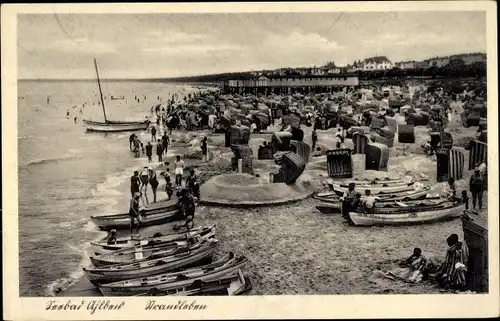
[110, 125]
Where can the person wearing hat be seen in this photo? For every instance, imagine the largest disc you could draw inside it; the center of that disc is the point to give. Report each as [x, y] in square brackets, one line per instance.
[134, 212]
[111, 237]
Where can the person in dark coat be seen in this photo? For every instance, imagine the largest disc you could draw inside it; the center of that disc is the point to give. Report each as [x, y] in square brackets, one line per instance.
[314, 139]
[476, 187]
[159, 150]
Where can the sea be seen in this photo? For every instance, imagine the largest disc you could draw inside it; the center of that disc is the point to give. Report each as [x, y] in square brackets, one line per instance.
[67, 175]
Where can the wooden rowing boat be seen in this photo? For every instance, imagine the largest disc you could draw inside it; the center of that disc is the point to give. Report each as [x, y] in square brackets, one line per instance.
[334, 197]
[375, 183]
[142, 253]
[235, 284]
[407, 218]
[159, 238]
[379, 181]
[388, 206]
[122, 221]
[120, 272]
[115, 126]
[174, 280]
[143, 285]
[376, 189]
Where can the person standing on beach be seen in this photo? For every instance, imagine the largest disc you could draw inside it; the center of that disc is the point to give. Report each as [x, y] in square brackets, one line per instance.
[168, 183]
[476, 187]
[134, 213]
[153, 133]
[204, 149]
[159, 150]
[314, 139]
[144, 177]
[179, 171]
[153, 181]
[165, 142]
[135, 183]
[131, 139]
[149, 152]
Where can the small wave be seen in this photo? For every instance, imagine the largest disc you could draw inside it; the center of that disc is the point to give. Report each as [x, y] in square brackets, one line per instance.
[50, 160]
[63, 284]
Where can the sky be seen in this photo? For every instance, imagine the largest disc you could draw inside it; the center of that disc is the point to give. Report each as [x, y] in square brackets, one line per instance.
[53, 46]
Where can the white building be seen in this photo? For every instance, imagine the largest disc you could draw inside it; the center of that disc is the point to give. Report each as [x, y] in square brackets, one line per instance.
[377, 63]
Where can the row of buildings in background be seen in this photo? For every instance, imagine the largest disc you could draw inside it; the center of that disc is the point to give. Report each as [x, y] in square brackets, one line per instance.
[383, 63]
[371, 64]
[331, 77]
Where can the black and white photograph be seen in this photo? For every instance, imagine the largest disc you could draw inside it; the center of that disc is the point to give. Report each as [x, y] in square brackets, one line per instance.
[253, 153]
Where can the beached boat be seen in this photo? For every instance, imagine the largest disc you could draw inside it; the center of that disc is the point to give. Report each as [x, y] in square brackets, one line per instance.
[142, 253]
[408, 218]
[122, 221]
[115, 126]
[120, 272]
[158, 238]
[375, 181]
[376, 189]
[334, 197]
[174, 280]
[235, 284]
[390, 206]
[110, 125]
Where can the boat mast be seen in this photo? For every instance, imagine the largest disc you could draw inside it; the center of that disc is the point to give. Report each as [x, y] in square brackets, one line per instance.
[100, 91]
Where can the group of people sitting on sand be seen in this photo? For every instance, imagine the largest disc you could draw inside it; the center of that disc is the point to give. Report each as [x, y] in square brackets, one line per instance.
[450, 274]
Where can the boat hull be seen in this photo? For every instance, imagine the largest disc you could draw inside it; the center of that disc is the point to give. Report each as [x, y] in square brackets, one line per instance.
[122, 221]
[143, 253]
[236, 284]
[334, 197]
[208, 276]
[122, 272]
[128, 242]
[114, 126]
[377, 189]
[408, 218]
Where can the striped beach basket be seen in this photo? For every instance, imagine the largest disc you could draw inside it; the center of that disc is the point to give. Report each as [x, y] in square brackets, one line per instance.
[478, 153]
[360, 141]
[450, 164]
[302, 149]
[339, 163]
